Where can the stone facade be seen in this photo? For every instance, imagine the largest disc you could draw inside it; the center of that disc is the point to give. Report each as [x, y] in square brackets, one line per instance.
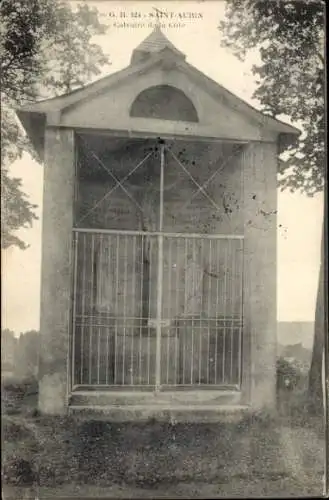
[225, 134]
[56, 271]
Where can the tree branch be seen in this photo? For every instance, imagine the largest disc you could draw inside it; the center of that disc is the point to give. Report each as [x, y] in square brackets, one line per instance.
[6, 67]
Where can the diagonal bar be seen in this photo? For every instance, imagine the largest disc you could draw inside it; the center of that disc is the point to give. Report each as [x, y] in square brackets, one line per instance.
[116, 180]
[116, 186]
[220, 169]
[203, 191]
[119, 183]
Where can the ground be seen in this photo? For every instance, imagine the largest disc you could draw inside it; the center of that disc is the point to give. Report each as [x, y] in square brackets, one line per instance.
[262, 455]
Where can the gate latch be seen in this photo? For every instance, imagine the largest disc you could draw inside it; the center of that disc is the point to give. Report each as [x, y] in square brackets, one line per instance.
[153, 322]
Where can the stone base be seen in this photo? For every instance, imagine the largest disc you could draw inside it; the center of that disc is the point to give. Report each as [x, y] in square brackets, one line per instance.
[192, 414]
[52, 394]
[180, 406]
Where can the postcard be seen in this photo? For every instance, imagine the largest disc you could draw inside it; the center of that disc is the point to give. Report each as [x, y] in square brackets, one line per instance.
[163, 186]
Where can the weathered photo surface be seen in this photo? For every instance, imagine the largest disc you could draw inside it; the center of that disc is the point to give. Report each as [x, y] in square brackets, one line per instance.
[163, 177]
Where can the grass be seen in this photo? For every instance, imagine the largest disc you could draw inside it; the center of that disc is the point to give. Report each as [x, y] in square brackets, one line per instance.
[262, 455]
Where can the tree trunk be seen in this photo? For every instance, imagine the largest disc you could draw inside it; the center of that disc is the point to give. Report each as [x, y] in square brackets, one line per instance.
[315, 387]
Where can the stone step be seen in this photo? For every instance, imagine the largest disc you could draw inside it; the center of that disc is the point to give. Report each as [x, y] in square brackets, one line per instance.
[156, 399]
[175, 414]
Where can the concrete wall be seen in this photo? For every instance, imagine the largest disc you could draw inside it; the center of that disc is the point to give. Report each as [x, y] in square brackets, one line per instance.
[56, 270]
[259, 161]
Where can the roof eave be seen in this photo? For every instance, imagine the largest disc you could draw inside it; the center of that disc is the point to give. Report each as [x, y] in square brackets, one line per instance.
[59, 103]
[277, 125]
[34, 124]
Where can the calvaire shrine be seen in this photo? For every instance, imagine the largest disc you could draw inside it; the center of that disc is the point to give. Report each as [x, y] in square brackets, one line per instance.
[159, 260]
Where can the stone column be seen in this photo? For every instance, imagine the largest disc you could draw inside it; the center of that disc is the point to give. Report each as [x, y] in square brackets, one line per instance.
[259, 162]
[56, 278]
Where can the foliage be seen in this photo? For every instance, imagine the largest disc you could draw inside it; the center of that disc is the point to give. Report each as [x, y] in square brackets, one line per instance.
[291, 81]
[16, 210]
[288, 374]
[46, 50]
[290, 75]
[21, 355]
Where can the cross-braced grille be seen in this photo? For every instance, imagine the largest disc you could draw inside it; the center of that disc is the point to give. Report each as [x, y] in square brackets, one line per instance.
[154, 308]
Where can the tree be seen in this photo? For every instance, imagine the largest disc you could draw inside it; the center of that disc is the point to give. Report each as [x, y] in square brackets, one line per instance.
[290, 77]
[27, 354]
[46, 50]
[8, 350]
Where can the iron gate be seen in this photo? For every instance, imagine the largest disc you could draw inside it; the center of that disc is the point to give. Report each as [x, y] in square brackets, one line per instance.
[153, 309]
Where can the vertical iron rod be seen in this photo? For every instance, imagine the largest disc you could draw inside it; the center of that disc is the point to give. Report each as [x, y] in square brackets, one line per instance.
[108, 266]
[134, 314]
[141, 310]
[225, 311]
[150, 307]
[91, 305]
[209, 309]
[177, 311]
[169, 304]
[98, 296]
[201, 310]
[83, 300]
[194, 301]
[217, 306]
[241, 320]
[186, 302]
[116, 307]
[233, 307]
[98, 353]
[125, 279]
[74, 305]
[160, 276]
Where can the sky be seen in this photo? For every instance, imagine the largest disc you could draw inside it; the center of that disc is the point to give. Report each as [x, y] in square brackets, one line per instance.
[299, 217]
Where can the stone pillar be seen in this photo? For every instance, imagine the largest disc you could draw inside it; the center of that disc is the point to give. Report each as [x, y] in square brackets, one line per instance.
[58, 199]
[259, 162]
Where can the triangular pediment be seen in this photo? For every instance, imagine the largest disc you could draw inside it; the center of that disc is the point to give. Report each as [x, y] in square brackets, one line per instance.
[216, 115]
[107, 103]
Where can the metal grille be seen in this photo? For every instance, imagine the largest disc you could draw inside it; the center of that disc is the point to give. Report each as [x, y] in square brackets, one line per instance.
[156, 309]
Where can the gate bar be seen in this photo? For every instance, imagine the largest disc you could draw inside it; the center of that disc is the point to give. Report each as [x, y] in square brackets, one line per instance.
[160, 278]
[157, 233]
[74, 305]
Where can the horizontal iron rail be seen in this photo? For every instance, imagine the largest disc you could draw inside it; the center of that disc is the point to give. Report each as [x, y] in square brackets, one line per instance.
[84, 390]
[169, 235]
[219, 318]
